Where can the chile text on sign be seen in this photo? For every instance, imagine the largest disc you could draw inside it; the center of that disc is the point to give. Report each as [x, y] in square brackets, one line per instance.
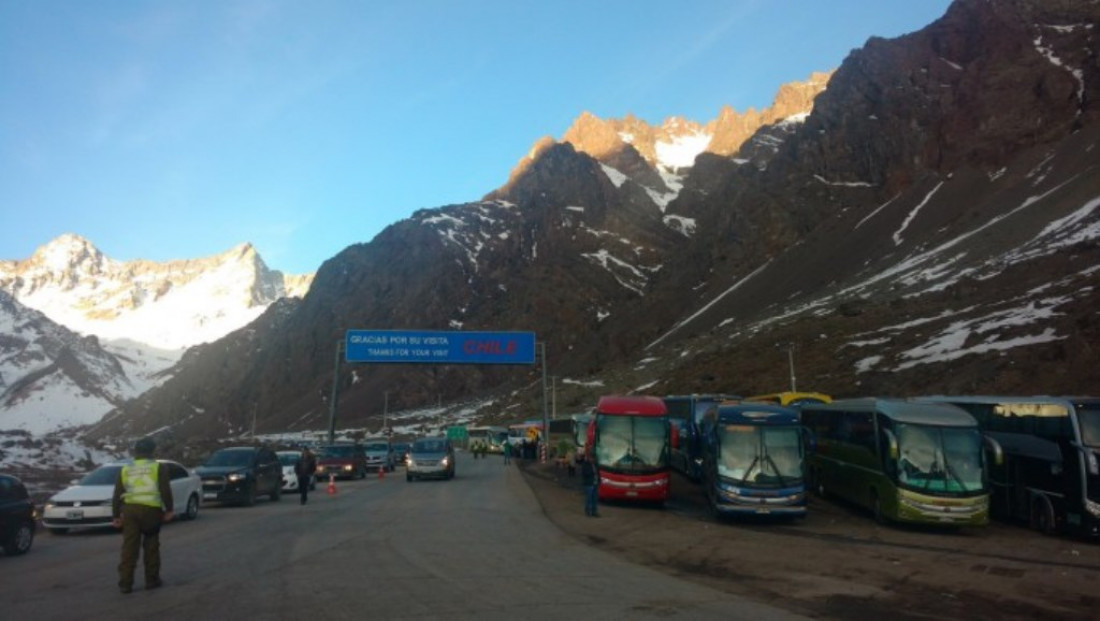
[440, 347]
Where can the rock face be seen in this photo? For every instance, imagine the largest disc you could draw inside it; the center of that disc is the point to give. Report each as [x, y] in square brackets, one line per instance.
[930, 225]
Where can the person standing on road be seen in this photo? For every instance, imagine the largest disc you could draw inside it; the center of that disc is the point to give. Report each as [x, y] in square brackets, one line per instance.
[141, 503]
[589, 482]
[507, 453]
[304, 469]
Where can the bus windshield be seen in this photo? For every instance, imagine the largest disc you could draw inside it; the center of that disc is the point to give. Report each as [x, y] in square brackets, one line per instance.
[939, 459]
[760, 456]
[1088, 417]
[632, 443]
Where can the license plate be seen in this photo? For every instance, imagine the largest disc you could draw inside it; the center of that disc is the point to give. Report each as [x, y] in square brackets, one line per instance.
[763, 511]
[209, 495]
[632, 493]
[75, 514]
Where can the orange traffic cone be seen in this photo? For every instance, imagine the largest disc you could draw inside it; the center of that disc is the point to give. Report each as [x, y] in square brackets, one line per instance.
[381, 472]
[332, 483]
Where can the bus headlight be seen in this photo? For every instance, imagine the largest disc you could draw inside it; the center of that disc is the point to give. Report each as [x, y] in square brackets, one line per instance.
[1092, 507]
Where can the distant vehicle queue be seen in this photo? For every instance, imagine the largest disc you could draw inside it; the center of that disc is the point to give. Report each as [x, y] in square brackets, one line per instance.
[940, 460]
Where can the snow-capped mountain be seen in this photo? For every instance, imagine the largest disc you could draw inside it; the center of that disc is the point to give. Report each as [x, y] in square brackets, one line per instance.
[51, 377]
[80, 333]
[171, 305]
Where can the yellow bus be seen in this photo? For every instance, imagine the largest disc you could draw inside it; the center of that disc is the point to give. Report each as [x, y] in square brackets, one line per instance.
[787, 399]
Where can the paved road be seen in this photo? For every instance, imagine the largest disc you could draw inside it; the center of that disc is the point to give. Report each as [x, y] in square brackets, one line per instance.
[477, 547]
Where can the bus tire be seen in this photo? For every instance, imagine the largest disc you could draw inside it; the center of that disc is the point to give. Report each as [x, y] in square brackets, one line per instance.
[819, 485]
[1042, 515]
[876, 508]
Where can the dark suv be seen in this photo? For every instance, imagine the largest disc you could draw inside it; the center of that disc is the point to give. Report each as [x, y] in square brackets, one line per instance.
[341, 461]
[17, 516]
[240, 474]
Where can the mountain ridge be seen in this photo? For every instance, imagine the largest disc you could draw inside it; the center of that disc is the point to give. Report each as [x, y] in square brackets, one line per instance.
[924, 228]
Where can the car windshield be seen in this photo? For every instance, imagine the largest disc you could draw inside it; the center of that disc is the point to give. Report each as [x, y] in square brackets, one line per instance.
[229, 458]
[376, 448]
[939, 459]
[756, 455]
[1089, 418]
[289, 459]
[429, 446]
[103, 475]
[632, 443]
[338, 451]
[400, 448]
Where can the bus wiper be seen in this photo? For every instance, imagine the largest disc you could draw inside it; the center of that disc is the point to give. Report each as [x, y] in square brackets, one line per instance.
[951, 472]
[748, 470]
[775, 466]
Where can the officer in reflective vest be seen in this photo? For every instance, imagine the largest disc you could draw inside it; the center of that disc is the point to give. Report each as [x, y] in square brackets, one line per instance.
[141, 503]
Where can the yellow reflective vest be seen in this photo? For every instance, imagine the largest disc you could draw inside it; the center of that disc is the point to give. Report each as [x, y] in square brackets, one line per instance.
[140, 481]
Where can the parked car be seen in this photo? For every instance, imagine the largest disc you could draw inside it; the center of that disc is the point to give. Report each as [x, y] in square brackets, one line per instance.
[347, 461]
[380, 455]
[401, 452]
[290, 479]
[432, 457]
[87, 502]
[240, 474]
[17, 516]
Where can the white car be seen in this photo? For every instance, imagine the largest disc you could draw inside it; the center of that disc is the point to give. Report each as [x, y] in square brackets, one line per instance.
[290, 480]
[87, 503]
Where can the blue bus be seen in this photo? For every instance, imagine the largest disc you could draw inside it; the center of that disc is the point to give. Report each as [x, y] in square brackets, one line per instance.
[686, 413]
[753, 460]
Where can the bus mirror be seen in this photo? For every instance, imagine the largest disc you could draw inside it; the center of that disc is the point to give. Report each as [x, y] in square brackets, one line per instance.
[994, 447]
[892, 441]
[808, 440]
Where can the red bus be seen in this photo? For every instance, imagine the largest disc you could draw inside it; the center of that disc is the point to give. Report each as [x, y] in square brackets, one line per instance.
[631, 440]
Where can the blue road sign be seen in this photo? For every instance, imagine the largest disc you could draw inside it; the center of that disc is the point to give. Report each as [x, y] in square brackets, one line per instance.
[440, 347]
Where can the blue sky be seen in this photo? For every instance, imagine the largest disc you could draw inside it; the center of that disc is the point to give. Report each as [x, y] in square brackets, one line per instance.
[173, 130]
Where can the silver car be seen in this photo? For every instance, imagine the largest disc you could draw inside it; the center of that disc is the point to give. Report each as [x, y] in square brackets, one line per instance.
[430, 458]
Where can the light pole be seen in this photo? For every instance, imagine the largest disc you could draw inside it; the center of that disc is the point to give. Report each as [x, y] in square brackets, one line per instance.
[790, 361]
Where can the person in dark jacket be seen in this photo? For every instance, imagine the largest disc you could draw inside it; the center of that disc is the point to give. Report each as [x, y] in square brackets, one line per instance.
[589, 479]
[142, 501]
[304, 469]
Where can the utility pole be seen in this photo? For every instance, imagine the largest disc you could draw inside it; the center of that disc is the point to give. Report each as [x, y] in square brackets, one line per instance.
[553, 397]
[385, 413]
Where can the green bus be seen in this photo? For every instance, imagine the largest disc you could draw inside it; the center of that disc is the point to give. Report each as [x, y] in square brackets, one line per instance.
[917, 463]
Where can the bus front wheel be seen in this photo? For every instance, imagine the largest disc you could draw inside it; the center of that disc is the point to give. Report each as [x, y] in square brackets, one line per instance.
[876, 507]
[819, 484]
[1042, 515]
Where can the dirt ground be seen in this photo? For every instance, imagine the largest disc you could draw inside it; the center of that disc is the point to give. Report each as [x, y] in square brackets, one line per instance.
[837, 563]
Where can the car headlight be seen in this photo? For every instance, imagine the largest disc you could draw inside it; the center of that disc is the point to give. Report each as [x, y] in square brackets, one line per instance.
[445, 461]
[347, 468]
[236, 476]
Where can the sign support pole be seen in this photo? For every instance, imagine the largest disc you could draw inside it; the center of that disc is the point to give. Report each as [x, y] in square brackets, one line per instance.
[545, 416]
[332, 402]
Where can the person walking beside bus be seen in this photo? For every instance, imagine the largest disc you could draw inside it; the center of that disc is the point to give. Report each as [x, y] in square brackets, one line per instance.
[141, 503]
[507, 451]
[589, 481]
[304, 469]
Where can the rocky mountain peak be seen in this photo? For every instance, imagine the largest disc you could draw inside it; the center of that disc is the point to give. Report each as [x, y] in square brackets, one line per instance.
[67, 253]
